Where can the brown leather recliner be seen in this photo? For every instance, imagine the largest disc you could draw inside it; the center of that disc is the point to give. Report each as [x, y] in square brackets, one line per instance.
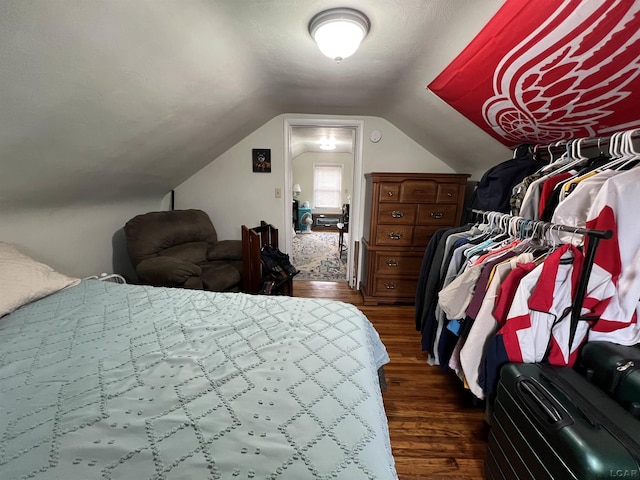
[180, 248]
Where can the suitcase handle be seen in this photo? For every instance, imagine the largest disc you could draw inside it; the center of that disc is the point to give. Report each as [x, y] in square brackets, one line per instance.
[597, 418]
[542, 406]
[623, 368]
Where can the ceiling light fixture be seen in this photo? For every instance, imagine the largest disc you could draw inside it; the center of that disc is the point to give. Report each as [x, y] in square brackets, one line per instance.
[328, 144]
[339, 31]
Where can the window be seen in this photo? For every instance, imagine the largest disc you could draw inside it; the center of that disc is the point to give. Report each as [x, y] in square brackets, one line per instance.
[327, 185]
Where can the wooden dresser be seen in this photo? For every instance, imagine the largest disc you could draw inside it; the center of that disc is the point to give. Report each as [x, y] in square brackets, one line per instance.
[402, 211]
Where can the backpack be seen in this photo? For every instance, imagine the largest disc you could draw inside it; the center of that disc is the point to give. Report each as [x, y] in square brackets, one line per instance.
[276, 263]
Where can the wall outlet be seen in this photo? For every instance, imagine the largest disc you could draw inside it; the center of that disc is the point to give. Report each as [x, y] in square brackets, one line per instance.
[278, 192]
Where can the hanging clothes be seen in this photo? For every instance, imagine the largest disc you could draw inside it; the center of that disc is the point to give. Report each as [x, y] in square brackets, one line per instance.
[537, 326]
[464, 283]
[425, 268]
[494, 190]
[549, 185]
[484, 325]
[574, 209]
[617, 260]
[469, 334]
[493, 295]
[432, 285]
[507, 291]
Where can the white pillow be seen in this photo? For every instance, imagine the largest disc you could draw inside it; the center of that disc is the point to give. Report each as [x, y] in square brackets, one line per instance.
[23, 280]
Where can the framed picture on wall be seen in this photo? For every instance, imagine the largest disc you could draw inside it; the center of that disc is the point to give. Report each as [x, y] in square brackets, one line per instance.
[261, 160]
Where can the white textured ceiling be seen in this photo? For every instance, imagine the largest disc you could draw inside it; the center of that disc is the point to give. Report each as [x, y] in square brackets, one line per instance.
[103, 99]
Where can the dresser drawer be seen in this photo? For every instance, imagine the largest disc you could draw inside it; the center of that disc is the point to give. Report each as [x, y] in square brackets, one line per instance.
[437, 214]
[389, 192]
[394, 287]
[397, 213]
[395, 235]
[397, 264]
[418, 191]
[448, 192]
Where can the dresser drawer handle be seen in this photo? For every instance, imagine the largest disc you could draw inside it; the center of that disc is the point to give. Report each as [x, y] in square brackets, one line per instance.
[449, 194]
[390, 193]
[397, 214]
[436, 214]
[392, 262]
[395, 235]
[390, 286]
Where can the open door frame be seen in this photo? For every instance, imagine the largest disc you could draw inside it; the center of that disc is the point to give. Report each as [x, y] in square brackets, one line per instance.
[355, 206]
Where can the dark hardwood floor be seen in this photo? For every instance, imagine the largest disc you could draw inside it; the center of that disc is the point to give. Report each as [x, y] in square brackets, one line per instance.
[436, 433]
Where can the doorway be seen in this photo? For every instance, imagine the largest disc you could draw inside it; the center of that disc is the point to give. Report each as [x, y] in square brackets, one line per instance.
[304, 135]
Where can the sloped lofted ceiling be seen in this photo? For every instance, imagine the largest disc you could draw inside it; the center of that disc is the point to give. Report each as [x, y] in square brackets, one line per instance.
[108, 99]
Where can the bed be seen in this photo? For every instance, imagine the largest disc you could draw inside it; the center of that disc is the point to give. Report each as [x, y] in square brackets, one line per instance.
[107, 381]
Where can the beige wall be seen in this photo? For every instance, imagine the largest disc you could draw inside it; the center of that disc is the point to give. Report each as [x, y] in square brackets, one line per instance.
[81, 240]
[233, 195]
[86, 239]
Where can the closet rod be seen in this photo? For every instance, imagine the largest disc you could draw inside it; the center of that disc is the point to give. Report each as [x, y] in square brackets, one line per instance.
[586, 142]
[589, 257]
[557, 226]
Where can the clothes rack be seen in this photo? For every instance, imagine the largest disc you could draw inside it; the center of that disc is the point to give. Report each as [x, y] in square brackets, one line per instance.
[594, 237]
[585, 143]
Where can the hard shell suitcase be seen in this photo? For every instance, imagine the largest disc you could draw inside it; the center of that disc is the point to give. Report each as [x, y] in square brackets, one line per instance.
[551, 423]
[616, 370]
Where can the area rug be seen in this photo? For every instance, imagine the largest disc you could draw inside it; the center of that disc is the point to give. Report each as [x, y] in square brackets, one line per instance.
[316, 255]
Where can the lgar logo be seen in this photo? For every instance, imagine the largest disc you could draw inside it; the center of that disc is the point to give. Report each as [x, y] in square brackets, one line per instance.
[625, 473]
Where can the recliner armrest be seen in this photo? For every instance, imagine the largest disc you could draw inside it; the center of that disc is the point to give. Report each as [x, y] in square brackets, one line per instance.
[225, 250]
[167, 271]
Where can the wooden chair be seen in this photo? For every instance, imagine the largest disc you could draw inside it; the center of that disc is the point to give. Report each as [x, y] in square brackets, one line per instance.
[343, 227]
[253, 278]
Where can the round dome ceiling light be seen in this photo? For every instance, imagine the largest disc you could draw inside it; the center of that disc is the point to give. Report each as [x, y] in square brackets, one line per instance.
[339, 31]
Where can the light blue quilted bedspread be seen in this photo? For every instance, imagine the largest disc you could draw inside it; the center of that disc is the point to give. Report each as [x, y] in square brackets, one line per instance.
[107, 381]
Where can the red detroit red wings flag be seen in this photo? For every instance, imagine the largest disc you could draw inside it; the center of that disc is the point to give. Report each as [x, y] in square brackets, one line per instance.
[550, 70]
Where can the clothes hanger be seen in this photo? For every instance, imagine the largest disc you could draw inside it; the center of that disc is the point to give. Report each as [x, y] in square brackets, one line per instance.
[573, 156]
[493, 228]
[513, 226]
[550, 238]
[550, 153]
[531, 243]
[630, 154]
[576, 238]
[582, 171]
[595, 161]
[502, 229]
[524, 227]
[482, 225]
[482, 220]
[552, 161]
[560, 160]
[584, 163]
[616, 151]
[521, 225]
[495, 216]
[547, 244]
